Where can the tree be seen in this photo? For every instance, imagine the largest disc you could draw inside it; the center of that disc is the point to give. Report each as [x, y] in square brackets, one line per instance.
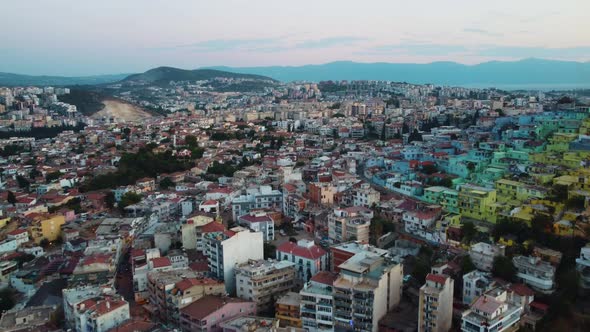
[34, 174]
[270, 250]
[129, 198]
[469, 231]
[338, 115]
[471, 166]
[467, 264]
[22, 182]
[446, 182]
[7, 298]
[429, 169]
[503, 268]
[44, 243]
[415, 136]
[191, 140]
[52, 176]
[109, 199]
[575, 203]
[11, 198]
[166, 183]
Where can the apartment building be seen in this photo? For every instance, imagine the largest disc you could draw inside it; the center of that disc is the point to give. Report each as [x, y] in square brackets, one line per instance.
[436, 304]
[583, 266]
[263, 197]
[259, 221]
[538, 274]
[365, 196]
[287, 310]
[483, 254]
[170, 291]
[225, 250]
[45, 226]
[475, 284]
[477, 202]
[443, 196]
[489, 313]
[264, 281]
[192, 232]
[368, 286]
[340, 253]
[209, 312]
[317, 302]
[100, 314]
[350, 224]
[309, 258]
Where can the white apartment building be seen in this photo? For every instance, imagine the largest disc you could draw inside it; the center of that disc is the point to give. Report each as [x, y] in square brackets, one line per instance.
[316, 309]
[538, 274]
[583, 266]
[309, 258]
[225, 250]
[347, 224]
[365, 196]
[264, 281]
[259, 221]
[491, 314]
[263, 197]
[436, 304]
[367, 287]
[483, 254]
[475, 284]
[101, 314]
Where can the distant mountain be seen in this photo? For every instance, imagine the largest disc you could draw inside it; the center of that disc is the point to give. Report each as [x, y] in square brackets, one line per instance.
[8, 79]
[166, 74]
[533, 72]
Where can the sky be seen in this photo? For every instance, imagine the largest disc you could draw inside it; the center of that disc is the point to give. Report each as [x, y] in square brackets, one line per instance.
[90, 37]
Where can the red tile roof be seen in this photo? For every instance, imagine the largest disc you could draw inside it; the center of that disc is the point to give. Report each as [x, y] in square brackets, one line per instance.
[161, 262]
[17, 232]
[438, 278]
[325, 277]
[314, 252]
[522, 290]
[190, 282]
[207, 305]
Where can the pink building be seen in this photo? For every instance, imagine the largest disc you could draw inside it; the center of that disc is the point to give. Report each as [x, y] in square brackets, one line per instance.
[207, 313]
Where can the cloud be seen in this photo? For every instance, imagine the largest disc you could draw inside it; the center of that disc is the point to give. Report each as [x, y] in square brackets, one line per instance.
[263, 45]
[330, 42]
[482, 32]
[220, 45]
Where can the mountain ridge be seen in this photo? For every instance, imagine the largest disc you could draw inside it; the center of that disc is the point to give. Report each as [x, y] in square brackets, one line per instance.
[525, 71]
[12, 79]
[166, 73]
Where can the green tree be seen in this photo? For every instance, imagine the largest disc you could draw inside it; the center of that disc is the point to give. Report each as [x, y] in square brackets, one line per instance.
[7, 298]
[109, 199]
[129, 198]
[44, 243]
[166, 183]
[270, 250]
[503, 267]
[469, 231]
[52, 176]
[467, 264]
[11, 198]
[22, 182]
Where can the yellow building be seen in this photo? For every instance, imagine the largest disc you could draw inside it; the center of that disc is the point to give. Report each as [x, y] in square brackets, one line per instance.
[508, 190]
[287, 310]
[478, 203]
[46, 226]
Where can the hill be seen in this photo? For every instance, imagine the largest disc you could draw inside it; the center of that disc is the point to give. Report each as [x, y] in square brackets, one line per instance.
[9, 79]
[163, 75]
[534, 73]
